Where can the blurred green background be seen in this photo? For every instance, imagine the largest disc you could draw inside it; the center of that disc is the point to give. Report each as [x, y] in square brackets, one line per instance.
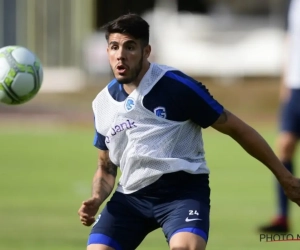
[47, 159]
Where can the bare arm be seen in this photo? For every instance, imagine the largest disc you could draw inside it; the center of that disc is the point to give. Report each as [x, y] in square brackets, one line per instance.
[253, 143]
[103, 184]
[104, 178]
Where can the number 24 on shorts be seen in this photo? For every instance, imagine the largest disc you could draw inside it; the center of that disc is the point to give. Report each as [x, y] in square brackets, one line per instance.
[193, 212]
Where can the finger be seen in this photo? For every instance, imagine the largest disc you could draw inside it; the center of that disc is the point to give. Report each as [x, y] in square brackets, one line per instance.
[87, 222]
[86, 209]
[81, 210]
[88, 202]
[83, 220]
[85, 215]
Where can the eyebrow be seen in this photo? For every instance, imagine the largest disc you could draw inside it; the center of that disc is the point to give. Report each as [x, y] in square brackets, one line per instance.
[128, 41]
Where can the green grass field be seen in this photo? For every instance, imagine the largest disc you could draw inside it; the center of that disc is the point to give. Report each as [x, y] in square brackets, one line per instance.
[46, 173]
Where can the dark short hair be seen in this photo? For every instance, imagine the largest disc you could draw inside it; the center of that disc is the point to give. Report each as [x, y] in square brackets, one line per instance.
[130, 24]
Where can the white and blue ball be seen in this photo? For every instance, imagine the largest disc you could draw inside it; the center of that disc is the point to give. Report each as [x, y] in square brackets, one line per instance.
[21, 75]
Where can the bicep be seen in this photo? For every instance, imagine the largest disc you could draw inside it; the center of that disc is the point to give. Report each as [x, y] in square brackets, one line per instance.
[228, 123]
[105, 164]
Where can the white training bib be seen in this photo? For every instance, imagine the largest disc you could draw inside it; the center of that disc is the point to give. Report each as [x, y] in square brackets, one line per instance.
[146, 146]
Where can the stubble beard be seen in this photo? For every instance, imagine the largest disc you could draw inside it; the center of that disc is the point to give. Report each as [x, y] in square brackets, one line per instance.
[135, 73]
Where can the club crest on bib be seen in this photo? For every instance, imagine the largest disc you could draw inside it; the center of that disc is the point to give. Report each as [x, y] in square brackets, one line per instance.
[129, 104]
[160, 112]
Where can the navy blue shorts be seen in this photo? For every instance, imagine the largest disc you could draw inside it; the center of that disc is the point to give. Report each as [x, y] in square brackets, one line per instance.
[177, 202]
[290, 114]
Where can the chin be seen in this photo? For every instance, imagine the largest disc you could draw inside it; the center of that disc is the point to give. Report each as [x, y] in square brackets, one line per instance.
[124, 80]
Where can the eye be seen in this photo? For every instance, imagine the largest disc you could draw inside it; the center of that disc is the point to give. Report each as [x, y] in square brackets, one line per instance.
[114, 47]
[130, 47]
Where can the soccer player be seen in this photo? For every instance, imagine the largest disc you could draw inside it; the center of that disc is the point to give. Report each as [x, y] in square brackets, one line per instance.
[290, 115]
[148, 123]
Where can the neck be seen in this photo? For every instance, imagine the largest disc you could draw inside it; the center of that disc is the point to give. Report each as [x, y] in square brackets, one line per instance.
[130, 87]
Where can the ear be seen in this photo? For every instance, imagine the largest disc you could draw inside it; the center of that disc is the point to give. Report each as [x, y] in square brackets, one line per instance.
[147, 51]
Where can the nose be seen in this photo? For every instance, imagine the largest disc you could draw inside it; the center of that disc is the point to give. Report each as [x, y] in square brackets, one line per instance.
[120, 56]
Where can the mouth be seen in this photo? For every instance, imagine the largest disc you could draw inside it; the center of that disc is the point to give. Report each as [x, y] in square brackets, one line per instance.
[121, 69]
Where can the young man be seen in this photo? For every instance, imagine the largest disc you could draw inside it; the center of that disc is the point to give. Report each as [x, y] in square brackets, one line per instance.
[148, 122]
[290, 115]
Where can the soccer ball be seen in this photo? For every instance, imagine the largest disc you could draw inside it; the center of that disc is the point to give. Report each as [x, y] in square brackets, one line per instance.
[21, 75]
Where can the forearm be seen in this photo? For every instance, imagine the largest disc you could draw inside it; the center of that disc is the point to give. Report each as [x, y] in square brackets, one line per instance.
[104, 180]
[255, 145]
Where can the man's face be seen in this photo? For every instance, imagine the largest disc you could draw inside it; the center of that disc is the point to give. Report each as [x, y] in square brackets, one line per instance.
[126, 57]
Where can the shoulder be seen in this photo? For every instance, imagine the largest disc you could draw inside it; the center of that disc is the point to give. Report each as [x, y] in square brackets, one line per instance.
[102, 94]
[177, 82]
[113, 89]
[179, 77]
[169, 86]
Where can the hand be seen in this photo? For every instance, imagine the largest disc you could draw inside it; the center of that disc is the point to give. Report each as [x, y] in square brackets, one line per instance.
[292, 189]
[88, 210]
